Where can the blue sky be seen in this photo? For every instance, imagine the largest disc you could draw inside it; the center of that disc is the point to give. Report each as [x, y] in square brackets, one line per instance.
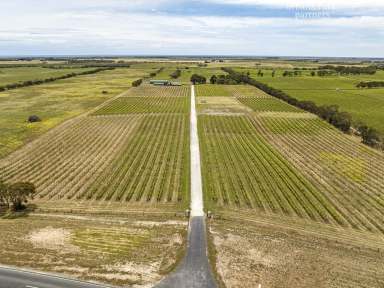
[351, 28]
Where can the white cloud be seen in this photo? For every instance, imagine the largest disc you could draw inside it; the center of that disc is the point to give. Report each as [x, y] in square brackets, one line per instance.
[71, 28]
[336, 4]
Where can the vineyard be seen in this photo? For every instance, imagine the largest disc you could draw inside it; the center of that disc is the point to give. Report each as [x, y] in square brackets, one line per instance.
[152, 168]
[126, 105]
[267, 104]
[160, 91]
[133, 157]
[282, 161]
[345, 171]
[212, 90]
[242, 170]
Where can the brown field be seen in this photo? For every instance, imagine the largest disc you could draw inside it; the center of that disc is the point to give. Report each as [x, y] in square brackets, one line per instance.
[276, 254]
[120, 251]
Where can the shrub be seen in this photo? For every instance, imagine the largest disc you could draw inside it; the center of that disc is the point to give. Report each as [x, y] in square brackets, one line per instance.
[137, 83]
[33, 119]
[176, 74]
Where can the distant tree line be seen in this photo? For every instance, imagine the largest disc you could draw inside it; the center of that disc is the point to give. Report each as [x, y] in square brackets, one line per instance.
[51, 79]
[330, 113]
[345, 70]
[222, 79]
[70, 66]
[323, 73]
[176, 74]
[89, 65]
[370, 84]
[15, 196]
[292, 73]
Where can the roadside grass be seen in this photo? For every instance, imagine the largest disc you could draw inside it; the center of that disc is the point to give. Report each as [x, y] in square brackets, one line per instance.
[116, 251]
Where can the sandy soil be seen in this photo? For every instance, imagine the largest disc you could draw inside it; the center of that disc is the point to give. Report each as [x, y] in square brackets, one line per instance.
[251, 255]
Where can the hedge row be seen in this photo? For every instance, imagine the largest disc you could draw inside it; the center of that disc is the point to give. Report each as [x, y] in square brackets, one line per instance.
[51, 79]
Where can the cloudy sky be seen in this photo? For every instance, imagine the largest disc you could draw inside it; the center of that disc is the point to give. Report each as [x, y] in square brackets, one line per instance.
[193, 27]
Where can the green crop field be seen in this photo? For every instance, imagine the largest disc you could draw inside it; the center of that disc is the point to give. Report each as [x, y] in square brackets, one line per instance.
[56, 102]
[21, 74]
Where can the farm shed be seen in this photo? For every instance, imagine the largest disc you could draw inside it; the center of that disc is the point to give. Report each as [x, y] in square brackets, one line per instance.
[160, 82]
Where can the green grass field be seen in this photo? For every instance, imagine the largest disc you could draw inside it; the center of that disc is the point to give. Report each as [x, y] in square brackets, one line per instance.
[365, 105]
[16, 75]
[56, 102]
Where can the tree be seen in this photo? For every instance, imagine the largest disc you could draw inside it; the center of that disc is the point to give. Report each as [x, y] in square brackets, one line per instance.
[19, 194]
[198, 79]
[213, 79]
[313, 73]
[273, 73]
[370, 136]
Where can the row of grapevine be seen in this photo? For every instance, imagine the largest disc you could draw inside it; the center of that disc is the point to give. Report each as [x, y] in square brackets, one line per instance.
[340, 180]
[152, 168]
[267, 104]
[63, 163]
[346, 171]
[138, 105]
[158, 91]
[206, 90]
[242, 170]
